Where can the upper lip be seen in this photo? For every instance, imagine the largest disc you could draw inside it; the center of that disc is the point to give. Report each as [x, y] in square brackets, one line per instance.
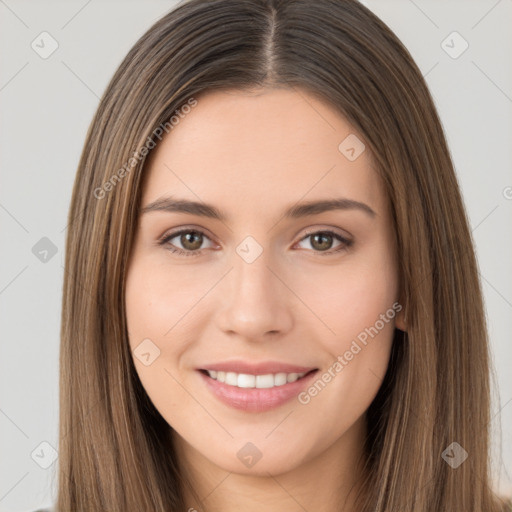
[261, 368]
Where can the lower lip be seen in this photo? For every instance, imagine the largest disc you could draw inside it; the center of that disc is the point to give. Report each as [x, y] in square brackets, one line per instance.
[256, 399]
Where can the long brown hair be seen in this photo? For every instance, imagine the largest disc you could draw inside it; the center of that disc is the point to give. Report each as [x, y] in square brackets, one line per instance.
[115, 450]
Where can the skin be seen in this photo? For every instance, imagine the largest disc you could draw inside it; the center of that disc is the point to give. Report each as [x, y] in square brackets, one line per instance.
[252, 154]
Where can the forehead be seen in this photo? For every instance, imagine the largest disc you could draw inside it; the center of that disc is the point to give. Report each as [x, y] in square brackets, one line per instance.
[260, 150]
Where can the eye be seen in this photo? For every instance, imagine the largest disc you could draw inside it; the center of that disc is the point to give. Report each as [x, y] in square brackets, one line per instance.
[323, 240]
[191, 241]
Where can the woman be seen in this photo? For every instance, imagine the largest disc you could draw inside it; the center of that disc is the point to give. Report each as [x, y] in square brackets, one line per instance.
[271, 297]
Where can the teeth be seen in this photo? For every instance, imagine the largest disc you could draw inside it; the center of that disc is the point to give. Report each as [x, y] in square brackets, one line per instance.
[231, 378]
[244, 380]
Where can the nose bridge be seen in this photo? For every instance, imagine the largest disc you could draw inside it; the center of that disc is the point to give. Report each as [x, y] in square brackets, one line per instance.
[253, 302]
[252, 279]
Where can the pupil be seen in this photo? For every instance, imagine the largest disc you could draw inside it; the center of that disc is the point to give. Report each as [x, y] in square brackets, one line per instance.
[324, 236]
[187, 238]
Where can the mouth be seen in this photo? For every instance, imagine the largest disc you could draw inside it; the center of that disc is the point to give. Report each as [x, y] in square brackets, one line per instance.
[250, 381]
[253, 393]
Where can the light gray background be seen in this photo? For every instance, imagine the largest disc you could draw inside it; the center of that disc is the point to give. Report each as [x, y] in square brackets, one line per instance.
[46, 107]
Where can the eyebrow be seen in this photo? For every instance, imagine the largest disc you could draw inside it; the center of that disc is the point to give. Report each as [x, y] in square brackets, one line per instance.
[170, 204]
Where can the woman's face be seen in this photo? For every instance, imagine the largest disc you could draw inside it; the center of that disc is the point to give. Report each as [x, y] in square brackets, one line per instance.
[262, 286]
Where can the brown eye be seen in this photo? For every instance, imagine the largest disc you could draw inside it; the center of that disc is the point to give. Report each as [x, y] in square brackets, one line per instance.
[190, 240]
[322, 242]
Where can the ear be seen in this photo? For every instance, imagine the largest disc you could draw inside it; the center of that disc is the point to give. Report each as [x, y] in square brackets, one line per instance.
[400, 320]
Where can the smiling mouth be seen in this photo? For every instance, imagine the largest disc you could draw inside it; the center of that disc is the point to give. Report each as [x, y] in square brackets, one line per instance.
[248, 381]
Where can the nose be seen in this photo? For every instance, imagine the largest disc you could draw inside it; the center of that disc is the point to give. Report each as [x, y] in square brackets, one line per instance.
[256, 303]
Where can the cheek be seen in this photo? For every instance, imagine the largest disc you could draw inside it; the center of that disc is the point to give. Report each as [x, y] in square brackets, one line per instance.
[350, 297]
[158, 301]
[357, 301]
[156, 321]
[362, 317]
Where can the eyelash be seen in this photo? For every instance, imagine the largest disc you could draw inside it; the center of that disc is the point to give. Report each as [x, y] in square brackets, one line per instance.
[345, 243]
